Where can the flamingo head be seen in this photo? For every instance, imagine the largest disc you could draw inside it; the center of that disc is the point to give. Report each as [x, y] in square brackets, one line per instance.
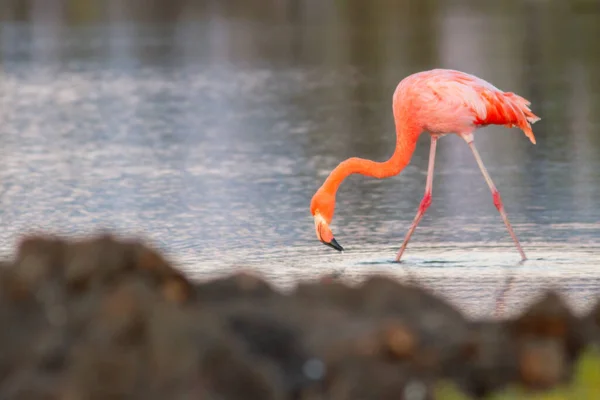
[322, 207]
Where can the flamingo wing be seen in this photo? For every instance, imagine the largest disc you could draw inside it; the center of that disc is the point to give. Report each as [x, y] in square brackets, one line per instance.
[479, 101]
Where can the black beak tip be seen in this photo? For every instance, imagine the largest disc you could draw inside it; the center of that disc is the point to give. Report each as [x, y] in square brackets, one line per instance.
[334, 245]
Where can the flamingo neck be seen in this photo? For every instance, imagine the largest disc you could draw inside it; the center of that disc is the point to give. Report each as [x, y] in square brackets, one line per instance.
[406, 141]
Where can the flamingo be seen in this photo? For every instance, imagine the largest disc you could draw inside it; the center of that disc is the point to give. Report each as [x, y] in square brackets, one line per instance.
[439, 101]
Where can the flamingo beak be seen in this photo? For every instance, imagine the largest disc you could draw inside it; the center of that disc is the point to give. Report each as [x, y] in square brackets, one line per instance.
[334, 245]
[324, 233]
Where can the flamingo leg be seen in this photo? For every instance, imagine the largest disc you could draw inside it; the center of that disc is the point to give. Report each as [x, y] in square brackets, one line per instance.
[426, 201]
[497, 200]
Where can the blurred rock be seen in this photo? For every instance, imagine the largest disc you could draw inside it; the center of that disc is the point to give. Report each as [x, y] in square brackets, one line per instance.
[111, 318]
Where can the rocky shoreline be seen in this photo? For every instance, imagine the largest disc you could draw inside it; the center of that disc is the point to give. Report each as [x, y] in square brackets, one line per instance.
[108, 318]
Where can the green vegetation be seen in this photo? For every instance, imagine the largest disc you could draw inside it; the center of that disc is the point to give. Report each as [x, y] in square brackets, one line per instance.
[585, 384]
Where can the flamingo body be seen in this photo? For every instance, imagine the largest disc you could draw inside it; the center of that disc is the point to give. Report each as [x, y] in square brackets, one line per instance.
[439, 101]
[446, 101]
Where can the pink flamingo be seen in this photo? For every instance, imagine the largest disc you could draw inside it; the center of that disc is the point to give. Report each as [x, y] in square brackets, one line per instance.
[438, 101]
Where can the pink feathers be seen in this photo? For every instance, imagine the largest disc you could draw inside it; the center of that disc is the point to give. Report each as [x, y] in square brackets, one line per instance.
[449, 101]
[508, 109]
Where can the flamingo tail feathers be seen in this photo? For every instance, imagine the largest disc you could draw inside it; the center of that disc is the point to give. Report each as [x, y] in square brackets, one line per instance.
[509, 109]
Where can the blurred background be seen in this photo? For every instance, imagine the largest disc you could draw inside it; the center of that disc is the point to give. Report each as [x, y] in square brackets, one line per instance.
[206, 127]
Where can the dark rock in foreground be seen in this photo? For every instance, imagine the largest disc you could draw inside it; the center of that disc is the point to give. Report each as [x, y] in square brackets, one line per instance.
[112, 319]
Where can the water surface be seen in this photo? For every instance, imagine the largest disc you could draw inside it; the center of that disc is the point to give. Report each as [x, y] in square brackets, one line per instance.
[208, 129]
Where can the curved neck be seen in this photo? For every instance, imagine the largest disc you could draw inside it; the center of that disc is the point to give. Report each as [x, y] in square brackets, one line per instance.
[406, 141]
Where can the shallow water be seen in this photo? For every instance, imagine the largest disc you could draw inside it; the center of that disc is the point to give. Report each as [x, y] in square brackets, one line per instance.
[208, 131]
